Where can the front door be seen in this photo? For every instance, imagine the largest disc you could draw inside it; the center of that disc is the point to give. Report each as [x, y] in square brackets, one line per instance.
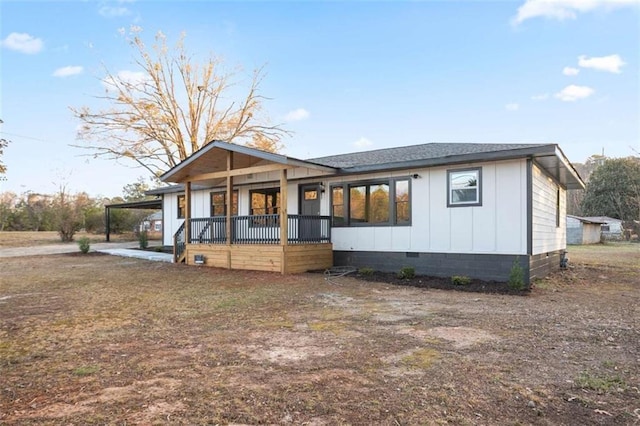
[309, 227]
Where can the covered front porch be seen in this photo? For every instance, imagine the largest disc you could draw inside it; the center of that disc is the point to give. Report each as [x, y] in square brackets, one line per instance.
[256, 243]
[276, 241]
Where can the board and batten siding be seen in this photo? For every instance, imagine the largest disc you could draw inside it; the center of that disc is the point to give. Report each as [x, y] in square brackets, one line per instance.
[498, 226]
[201, 204]
[547, 236]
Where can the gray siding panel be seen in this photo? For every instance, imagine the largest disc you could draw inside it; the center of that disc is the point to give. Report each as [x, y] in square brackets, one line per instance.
[489, 267]
[541, 265]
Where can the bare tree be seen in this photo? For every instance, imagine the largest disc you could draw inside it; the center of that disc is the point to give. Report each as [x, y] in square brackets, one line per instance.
[174, 107]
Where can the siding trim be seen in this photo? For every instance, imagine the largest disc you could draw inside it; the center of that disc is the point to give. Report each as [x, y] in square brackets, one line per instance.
[529, 206]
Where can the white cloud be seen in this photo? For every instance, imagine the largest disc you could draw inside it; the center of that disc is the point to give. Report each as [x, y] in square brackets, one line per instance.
[611, 63]
[68, 71]
[540, 97]
[23, 42]
[297, 115]
[573, 93]
[362, 143]
[127, 77]
[565, 9]
[570, 71]
[113, 12]
[512, 106]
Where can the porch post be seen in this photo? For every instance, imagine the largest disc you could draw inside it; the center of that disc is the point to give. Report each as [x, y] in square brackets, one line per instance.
[187, 213]
[284, 220]
[229, 206]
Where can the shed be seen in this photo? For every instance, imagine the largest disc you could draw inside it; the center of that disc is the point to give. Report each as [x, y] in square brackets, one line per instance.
[581, 230]
[611, 227]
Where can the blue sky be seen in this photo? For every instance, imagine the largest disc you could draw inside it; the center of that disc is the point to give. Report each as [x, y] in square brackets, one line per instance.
[343, 76]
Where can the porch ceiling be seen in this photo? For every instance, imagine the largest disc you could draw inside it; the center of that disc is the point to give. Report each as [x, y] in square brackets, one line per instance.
[212, 158]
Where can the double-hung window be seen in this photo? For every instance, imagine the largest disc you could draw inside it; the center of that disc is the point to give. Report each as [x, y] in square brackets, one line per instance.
[371, 203]
[464, 187]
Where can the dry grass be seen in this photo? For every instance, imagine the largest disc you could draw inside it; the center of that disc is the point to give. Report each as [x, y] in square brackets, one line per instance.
[98, 339]
[32, 238]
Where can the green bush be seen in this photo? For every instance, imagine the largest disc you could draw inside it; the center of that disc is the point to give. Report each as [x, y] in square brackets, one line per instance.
[84, 244]
[367, 272]
[516, 276]
[460, 280]
[143, 239]
[407, 272]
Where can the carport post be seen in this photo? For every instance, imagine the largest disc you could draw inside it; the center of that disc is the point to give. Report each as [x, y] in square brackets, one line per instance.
[108, 223]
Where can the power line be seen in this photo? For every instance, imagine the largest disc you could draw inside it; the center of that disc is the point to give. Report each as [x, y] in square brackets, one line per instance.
[23, 136]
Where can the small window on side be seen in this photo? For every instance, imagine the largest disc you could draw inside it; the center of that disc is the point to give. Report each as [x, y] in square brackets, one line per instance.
[464, 187]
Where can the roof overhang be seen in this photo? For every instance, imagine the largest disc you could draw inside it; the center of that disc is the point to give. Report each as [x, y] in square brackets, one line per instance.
[144, 204]
[549, 157]
[204, 164]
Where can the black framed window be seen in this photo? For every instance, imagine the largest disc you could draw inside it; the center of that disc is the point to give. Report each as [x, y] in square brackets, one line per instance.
[557, 207]
[402, 205]
[265, 202]
[337, 206]
[464, 187]
[219, 204]
[181, 206]
[371, 203]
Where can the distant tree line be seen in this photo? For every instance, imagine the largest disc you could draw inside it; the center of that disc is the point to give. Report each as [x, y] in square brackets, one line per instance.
[68, 213]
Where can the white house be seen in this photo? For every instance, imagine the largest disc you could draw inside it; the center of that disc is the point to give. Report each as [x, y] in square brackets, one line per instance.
[445, 209]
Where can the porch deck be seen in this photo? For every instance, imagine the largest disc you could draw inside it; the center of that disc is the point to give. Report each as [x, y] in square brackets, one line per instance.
[254, 243]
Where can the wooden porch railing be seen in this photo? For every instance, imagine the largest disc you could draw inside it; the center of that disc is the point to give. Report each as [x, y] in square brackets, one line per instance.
[259, 229]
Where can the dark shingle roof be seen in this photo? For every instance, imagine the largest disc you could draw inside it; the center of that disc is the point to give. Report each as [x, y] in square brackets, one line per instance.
[415, 153]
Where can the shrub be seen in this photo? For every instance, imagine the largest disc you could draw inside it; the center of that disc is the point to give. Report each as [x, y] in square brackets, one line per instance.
[516, 276]
[460, 280]
[143, 239]
[367, 272]
[84, 244]
[407, 272]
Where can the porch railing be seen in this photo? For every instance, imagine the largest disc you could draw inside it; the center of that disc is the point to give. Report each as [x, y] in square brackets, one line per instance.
[260, 229]
[179, 243]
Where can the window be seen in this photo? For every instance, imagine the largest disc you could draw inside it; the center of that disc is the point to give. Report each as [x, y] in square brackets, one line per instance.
[219, 205]
[263, 202]
[464, 187]
[557, 207]
[337, 206]
[381, 202]
[402, 202]
[181, 206]
[157, 226]
[310, 194]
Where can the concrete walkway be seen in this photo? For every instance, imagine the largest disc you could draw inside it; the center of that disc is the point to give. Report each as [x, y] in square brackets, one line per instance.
[126, 249]
[139, 254]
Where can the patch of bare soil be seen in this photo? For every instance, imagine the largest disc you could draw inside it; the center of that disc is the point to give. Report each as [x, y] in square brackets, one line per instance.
[107, 340]
[424, 281]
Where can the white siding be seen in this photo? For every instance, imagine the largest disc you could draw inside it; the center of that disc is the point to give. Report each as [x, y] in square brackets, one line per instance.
[499, 226]
[171, 222]
[547, 236]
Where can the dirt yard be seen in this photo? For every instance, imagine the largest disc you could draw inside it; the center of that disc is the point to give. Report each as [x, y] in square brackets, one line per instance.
[97, 339]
